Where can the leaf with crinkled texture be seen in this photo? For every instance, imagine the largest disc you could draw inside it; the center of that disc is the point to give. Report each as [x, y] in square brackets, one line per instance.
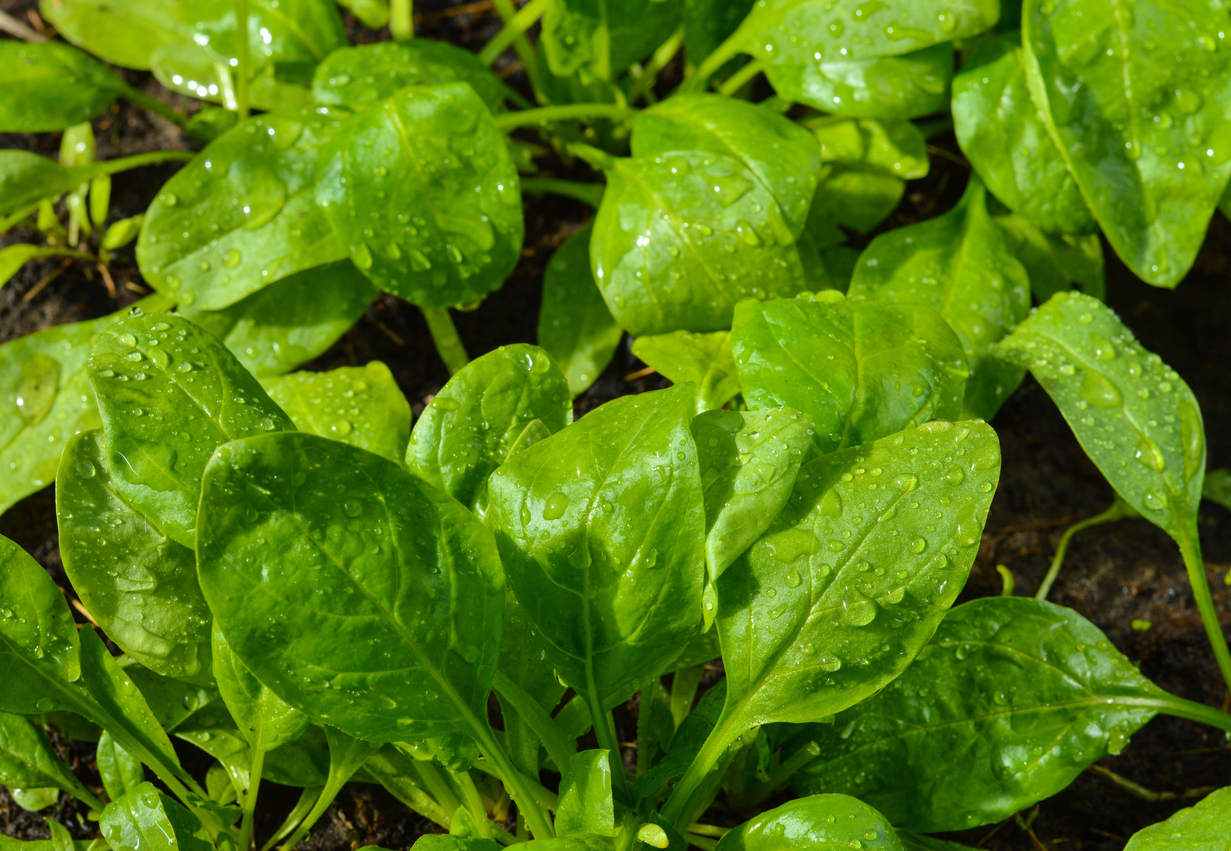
[138, 585]
[1145, 135]
[705, 360]
[28, 761]
[602, 38]
[169, 393]
[1007, 704]
[51, 86]
[855, 574]
[360, 626]
[145, 818]
[819, 822]
[962, 265]
[601, 529]
[359, 405]
[861, 369]
[1199, 828]
[1133, 415]
[1056, 263]
[470, 426]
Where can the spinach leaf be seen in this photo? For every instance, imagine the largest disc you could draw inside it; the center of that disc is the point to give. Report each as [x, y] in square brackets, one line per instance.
[1007, 704]
[679, 239]
[145, 818]
[707, 23]
[705, 360]
[861, 369]
[601, 529]
[201, 72]
[362, 76]
[819, 821]
[425, 196]
[472, 424]
[1199, 828]
[601, 38]
[172, 701]
[586, 806]
[27, 760]
[781, 154]
[961, 264]
[243, 214]
[169, 393]
[1055, 262]
[575, 327]
[138, 585]
[359, 405]
[120, 771]
[1146, 137]
[263, 718]
[370, 551]
[303, 763]
[51, 86]
[1217, 487]
[1000, 132]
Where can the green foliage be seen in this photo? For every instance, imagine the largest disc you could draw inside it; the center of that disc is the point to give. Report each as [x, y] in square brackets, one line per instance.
[1199, 828]
[51, 86]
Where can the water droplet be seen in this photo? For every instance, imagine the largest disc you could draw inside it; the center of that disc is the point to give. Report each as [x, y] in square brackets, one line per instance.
[1100, 392]
[231, 258]
[556, 505]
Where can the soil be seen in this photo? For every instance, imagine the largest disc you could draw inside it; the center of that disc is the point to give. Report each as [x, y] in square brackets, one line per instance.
[1114, 575]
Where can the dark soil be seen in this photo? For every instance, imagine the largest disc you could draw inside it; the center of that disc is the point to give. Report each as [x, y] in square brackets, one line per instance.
[1114, 574]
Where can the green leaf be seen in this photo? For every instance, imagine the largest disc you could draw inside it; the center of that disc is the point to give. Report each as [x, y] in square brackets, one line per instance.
[781, 154]
[679, 239]
[60, 837]
[820, 821]
[685, 744]
[36, 799]
[1199, 828]
[704, 360]
[575, 327]
[197, 71]
[862, 369]
[854, 576]
[602, 38]
[586, 806]
[169, 393]
[172, 701]
[707, 23]
[373, 14]
[359, 405]
[27, 178]
[1010, 701]
[358, 627]
[1145, 136]
[145, 818]
[1056, 263]
[425, 196]
[244, 213]
[896, 148]
[263, 718]
[303, 763]
[362, 76]
[601, 529]
[1133, 415]
[51, 86]
[121, 772]
[470, 427]
[961, 264]
[138, 585]
[27, 760]
[1217, 487]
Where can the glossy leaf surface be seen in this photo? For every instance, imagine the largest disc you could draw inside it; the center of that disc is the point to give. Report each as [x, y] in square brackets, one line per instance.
[51, 86]
[586, 806]
[708, 23]
[363, 626]
[862, 369]
[145, 818]
[601, 38]
[1056, 263]
[120, 771]
[705, 360]
[27, 759]
[820, 821]
[908, 85]
[1199, 828]
[1008, 703]
[263, 718]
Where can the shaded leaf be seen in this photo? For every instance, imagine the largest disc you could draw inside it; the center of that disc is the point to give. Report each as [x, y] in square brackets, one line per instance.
[704, 360]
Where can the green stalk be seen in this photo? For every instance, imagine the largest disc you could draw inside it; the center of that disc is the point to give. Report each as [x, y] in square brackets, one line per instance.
[559, 746]
[1181, 708]
[720, 738]
[684, 692]
[604, 732]
[249, 807]
[156, 106]
[525, 52]
[444, 335]
[738, 80]
[721, 55]
[306, 798]
[401, 20]
[437, 784]
[648, 696]
[563, 112]
[318, 809]
[1118, 511]
[514, 30]
[243, 60]
[649, 75]
[473, 803]
[701, 842]
[586, 193]
[527, 805]
[1190, 549]
[139, 160]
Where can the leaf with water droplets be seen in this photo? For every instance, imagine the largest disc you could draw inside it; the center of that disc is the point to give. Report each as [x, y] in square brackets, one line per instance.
[586, 806]
[169, 393]
[51, 86]
[705, 360]
[600, 39]
[1145, 135]
[1134, 416]
[962, 265]
[1005, 706]
[27, 760]
[1199, 828]
[357, 624]
[120, 771]
[263, 718]
[145, 819]
[1056, 263]
[862, 369]
[819, 821]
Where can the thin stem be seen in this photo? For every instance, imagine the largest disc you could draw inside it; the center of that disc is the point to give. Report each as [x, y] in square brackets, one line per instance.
[649, 75]
[586, 193]
[737, 80]
[156, 106]
[249, 806]
[473, 803]
[792, 764]
[1189, 709]
[559, 746]
[444, 335]
[725, 732]
[1115, 512]
[401, 20]
[563, 112]
[1139, 791]
[138, 161]
[700, 842]
[721, 55]
[708, 830]
[318, 809]
[1190, 549]
[535, 817]
[306, 798]
[604, 732]
[597, 158]
[525, 52]
[243, 59]
[649, 693]
[684, 692]
[514, 29]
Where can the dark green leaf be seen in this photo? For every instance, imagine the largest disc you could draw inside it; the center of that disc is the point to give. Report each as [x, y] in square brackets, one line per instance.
[171, 701]
[1056, 263]
[262, 717]
[920, 842]
[685, 744]
[707, 23]
[601, 38]
[1217, 487]
[145, 818]
[121, 772]
[28, 761]
[27, 178]
[586, 806]
[820, 822]
[705, 360]
[1199, 828]
[51, 86]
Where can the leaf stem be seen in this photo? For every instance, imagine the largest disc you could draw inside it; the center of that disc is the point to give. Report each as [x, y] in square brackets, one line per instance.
[527, 805]
[444, 335]
[737, 80]
[1170, 704]
[709, 67]
[563, 112]
[254, 787]
[1190, 549]
[473, 803]
[586, 193]
[514, 30]
[644, 84]
[138, 161]
[684, 692]
[724, 734]
[559, 747]
[243, 61]
[401, 20]
[156, 106]
[526, 54]
[605, 733]
[1118, 511]
[701, 842]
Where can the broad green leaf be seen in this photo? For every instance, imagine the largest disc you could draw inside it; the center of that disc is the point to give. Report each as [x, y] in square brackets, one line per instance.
[1008, 703]
[679, 239]
[172, 701]
[121, 772]
[373, 14]
[601, 529]
[1056, 263]
[169, 393]
[856, 198]
[362, 76]
[263, 718]
[1133, 415]
[707, 23]
[200, 72]
[145, 818]
[1145, 135]
[861, 369]
[855, 574]
[303, 763]
[575, 327]
[1199, 828]
[28, 761]
[138, 585]
[36, 799]
[705, 360]
[358, 627]
[962, 265]
[749, 461]
[61, 839]
[586, 806]
[51, 86]
[359, 405]
[602, 38]
[291, 321]
[243, 214]
[425, 196]
[781, 154]
[820, 822]
[1005, 139]
[469, 428]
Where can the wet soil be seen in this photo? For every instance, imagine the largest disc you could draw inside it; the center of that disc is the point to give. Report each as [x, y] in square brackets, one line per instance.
[1114, 575]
